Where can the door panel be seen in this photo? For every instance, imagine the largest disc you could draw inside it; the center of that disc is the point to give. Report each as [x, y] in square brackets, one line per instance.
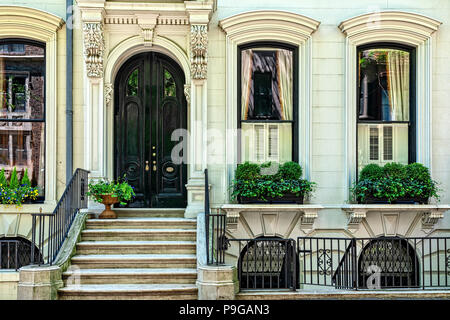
[149, 106]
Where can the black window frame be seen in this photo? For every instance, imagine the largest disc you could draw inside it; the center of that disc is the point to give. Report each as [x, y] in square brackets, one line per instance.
[295, 81]
[412, 154]
[11, 41]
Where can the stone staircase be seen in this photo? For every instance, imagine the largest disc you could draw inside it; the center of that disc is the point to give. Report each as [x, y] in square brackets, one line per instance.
[144, 254]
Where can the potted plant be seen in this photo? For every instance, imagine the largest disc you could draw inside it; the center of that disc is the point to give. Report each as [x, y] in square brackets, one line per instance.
[109, 193]
[270, 183]
[13, 192]
[395, 183]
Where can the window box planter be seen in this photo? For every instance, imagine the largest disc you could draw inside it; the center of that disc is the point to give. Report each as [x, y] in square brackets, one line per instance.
[373, 200]
[287, 198]
[270, 183]
[404, 184]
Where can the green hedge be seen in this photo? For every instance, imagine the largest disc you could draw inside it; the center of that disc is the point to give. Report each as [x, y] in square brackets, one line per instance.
[395, 181]
[270, 180]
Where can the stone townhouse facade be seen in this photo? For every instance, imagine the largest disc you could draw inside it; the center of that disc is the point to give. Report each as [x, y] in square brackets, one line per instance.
[151, 77]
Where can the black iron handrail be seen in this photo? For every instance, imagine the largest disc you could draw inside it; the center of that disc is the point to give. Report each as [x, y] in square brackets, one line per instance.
[345, 275]
[51, 229]
[215, 226]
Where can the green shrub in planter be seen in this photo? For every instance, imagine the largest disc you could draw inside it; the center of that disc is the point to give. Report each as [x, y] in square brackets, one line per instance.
[14, 193]
[270, 181]
[395, 182]
[117, 189]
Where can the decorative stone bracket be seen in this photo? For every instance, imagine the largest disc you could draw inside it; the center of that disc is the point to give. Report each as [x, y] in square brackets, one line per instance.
[94, 47]
[307, 219]
[431, 214]
[199, 51]
[147, 22]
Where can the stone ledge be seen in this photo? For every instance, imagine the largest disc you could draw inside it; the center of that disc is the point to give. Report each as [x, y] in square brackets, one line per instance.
[431, 213]
[309, 213]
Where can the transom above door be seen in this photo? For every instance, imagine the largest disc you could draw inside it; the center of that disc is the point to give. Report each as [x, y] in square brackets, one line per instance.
[149, 107]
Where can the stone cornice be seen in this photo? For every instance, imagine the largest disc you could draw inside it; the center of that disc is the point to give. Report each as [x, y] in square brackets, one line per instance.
[35, 21]
[294, 25]
[408, 27]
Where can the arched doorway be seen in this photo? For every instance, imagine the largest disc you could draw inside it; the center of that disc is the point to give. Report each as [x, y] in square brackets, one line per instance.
[393, 260]
[149, 107]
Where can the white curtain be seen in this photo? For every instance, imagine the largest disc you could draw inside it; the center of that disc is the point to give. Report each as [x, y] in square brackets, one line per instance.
[285, 82]
[246, 83]
[398, 84]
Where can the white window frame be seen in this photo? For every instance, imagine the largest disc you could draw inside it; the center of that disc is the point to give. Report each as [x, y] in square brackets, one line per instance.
[395, 27]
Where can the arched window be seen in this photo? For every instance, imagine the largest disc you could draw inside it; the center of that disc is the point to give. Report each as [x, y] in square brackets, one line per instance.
[15, 252]
[386, 104]
[267, 263]
[389, 263]
[22, 109]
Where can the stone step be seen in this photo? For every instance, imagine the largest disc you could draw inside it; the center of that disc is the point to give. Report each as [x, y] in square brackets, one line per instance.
[108, 261]
[141, 223]
[139, 234]
[135, 247]
[129, 292]
[129, 276]
[149, 212]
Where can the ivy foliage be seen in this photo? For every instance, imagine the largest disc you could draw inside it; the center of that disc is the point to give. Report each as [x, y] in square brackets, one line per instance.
[395, 181]
[270, 180]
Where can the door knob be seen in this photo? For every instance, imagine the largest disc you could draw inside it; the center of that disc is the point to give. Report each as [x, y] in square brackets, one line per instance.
[146, 166]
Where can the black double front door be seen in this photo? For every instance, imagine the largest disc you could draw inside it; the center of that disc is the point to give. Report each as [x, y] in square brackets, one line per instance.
[149, 107]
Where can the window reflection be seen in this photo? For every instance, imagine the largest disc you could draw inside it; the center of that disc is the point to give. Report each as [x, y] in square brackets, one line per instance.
[22, 109]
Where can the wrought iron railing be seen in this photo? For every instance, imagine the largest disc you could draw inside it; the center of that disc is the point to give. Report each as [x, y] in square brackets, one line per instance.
[9, 254]
[266, 263]
[375, 263]
[215, 226]
[50, 230]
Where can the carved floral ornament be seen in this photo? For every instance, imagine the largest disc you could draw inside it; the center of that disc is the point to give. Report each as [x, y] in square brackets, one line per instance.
[199, 51]
[94, 48]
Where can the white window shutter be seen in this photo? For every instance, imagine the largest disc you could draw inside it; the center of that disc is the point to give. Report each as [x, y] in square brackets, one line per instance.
[273, 143]
[259, 143]
[373, 143]
[387, 144]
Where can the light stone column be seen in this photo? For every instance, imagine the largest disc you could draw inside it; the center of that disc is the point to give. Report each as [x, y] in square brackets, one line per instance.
[92, 15]
[199, 15]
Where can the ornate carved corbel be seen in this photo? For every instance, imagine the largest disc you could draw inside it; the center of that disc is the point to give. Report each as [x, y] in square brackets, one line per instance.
[148, 23]
[94, 47]
[199, 51]
[307, 220]
[187, 93]
[232, 220]
[108, 93]
[355, 217]
[430, 218]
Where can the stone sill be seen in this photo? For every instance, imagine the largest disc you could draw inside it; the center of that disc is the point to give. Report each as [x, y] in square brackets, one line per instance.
[47, 207]
[431, 213]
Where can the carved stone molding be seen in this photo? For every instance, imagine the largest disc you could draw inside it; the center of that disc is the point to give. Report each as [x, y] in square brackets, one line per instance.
[429, 219]
[309, 213]
[307, 220]
[108, 93]
[147, 22]
[94, 48]
[431, 214]
[199, 51]
[187, 93]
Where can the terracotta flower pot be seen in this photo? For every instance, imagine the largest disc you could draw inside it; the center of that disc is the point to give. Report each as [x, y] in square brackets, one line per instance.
[108, 201]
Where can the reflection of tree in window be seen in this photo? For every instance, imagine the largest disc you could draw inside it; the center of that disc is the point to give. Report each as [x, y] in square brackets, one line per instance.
[133, 83]
[384, 106]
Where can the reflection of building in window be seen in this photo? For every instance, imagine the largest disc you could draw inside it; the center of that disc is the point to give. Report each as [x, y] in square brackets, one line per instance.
[22, 109]
[267, 104]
